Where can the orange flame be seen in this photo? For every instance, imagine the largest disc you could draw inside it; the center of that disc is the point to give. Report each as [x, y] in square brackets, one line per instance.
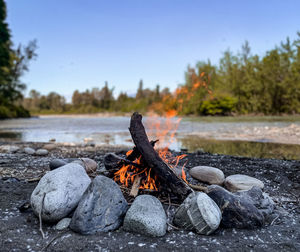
[175, 101]
[164, 131]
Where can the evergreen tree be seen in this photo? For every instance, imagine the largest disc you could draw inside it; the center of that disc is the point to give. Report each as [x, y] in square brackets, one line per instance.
[5, 52]
[13, 64]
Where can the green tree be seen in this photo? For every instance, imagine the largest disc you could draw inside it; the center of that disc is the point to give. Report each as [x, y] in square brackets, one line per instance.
[13, 64]
[5, 53]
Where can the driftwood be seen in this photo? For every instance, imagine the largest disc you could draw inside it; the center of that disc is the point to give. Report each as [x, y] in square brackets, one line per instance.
[152, 160]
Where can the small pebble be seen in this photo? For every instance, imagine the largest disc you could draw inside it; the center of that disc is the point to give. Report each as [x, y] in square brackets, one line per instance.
[29, 150]
[63, 224]
[41, 152]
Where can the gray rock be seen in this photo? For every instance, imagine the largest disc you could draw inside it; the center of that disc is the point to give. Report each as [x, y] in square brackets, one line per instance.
[237, 212]
[61, 189]
[262, 201]
[88, 164]
[29, 150]
[146, 216]
[57, 162]
[63, 224]
[101, 208]
[239, 182]
[198, 212]
[41, 152]
[207, 174]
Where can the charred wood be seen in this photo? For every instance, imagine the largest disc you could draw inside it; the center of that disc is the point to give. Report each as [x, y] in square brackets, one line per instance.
[115, 162]
[152, 160]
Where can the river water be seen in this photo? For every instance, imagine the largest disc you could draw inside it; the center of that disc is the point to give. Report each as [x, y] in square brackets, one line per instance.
[278, 139]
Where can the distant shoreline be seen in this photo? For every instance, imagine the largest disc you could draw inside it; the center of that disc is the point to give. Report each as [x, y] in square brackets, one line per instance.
[89, 115]
[233, 118]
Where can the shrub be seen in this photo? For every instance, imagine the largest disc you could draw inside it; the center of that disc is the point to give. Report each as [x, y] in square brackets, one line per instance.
[218, 106]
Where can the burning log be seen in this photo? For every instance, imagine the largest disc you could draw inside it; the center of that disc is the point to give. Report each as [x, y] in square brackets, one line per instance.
[153, 161]
[136, 153]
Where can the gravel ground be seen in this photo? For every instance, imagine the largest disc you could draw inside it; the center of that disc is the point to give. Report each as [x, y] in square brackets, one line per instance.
[19, 231]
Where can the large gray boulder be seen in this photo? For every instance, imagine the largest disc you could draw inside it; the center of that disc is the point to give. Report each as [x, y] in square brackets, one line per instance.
[237, 212]
[207, 174]
[240, 182]
[262, 201]
[59, 191]
[146, 216]
[101, 208]
[198, 213]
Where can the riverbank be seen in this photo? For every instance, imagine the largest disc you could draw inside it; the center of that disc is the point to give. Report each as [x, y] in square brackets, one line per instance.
[236, 118]
[19, 231]
[269, 139]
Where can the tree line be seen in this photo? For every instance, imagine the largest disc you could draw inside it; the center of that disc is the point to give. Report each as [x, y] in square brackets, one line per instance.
[242, 83]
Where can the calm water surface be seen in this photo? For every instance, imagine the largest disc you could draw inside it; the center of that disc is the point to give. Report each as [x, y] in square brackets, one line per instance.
[191, 134]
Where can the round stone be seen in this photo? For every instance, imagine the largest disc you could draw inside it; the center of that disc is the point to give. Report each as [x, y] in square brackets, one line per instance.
[207, 174]
[239, 182]
[199, 213]
[89, 164]
[146, 216]
[50, 146]
[41, 152]
[29, 150]
[63, 224]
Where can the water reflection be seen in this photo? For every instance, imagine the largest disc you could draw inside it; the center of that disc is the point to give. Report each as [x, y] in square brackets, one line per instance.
[242, 148]
[191, 135]
[6, 136]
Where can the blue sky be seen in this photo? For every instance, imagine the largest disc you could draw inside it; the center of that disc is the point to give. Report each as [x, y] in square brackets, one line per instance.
[83, 43]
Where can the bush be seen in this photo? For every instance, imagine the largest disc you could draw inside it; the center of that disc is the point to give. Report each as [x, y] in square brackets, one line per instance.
[12, 111]
[218, 106]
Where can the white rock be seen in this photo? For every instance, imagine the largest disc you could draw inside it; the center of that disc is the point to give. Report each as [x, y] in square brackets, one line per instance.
[198, 212]
[207, 174]
[61, 189]
[146, 216]
[239, 182]
[41, 152]
[63, 224]
[29, 150]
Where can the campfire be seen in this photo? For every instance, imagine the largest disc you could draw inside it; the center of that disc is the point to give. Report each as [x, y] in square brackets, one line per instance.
[106, 202]
[137, 173]
[146, 167]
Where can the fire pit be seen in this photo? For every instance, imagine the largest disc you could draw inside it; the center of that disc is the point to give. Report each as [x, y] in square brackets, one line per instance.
[20, 230]
[138, 183]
